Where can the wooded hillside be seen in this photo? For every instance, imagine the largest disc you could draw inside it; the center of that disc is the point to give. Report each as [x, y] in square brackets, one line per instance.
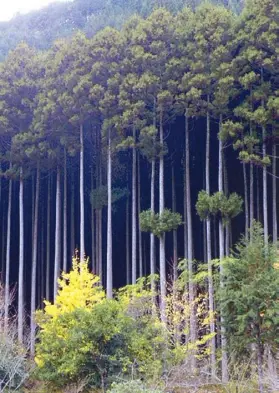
[140, 148]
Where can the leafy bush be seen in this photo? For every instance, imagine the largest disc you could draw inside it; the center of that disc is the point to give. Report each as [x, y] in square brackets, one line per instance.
[132, 387]
[84, 335]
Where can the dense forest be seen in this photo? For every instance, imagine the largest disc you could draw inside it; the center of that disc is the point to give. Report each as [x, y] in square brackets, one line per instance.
[151, 150]
[41, 28]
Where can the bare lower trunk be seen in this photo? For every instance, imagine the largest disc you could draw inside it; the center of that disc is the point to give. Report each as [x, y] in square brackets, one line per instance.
[251, 195]
[274, 195]
[185, 236]
[93, 246]
[152, 238]
[174, 233]
[128, 267]
[139, 210]
[73, 243]
[109, 224]
[8, 256]
[21, 261]
[208, 241]
[265, 217]
[65, 234]
[134, 212]
[81, 193]
[258, 195]
[189, 235]
[221, 257]
[162, 237]
[34, 265]
[100, 244]
[100, 215]
[48, 240]
[245, 200]
[57, 256]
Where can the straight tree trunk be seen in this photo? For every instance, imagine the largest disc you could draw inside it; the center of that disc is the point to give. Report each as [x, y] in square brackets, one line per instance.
[57, 257]
[34, 265]
[174, 232]
[8, 256]
[73, 242]
[109, 224]
[274, 194]
[245, 200]
[93, 246]
[48, 240]
[3, 242]
[185, 227]
[265, 217]
[100, 227]
[221, 257]
[162, 237]
[97, 241]
[251, 175]
[152, 237]
[258, 195]
[265, 213]
[21, 260]
[65, 232]
[208, 241]
[134, 211]
[189, 234]
[128, 268]
[139, 210]
[81, 192]
[152, 208]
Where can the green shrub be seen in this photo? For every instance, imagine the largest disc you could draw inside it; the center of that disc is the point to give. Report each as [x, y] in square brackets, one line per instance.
[132, 387]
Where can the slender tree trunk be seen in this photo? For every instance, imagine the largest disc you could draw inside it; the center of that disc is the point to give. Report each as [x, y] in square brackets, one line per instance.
[139, 210]
[265, 190]
[265, 213]
[134, 211]
[274, 194]
[34, 264]
[185, 238]
[57, 257]
[73, 242]
[48, 240]
[221, 256]
[208, 241]
[81, 192]
[65, 234]
[245, 200]
[100, 237]
[174, 232]
[3, 247]
[93, 246]
[251, 195]
[128, 268]
[152, 237]
[189, 235]
[97, 241]
[251, 176]
[152, 208]
[21, 260]
[109, 224]
[42, 277]
[8, 256]
[258, 195]
[162, 237]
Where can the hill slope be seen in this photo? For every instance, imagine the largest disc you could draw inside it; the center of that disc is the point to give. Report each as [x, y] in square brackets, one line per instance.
[41, 28]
